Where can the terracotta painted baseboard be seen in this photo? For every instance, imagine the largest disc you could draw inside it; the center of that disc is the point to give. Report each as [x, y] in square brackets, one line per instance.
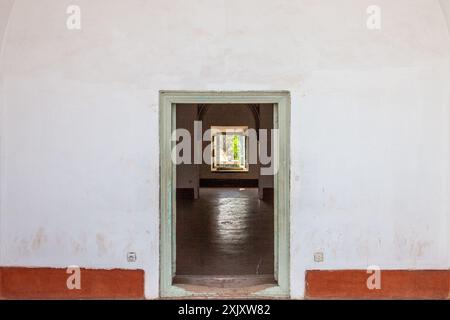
[51, 283]
[400, 284]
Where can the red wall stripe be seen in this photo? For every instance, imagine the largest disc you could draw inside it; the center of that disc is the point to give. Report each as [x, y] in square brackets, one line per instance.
[401, 284]
[51, 283]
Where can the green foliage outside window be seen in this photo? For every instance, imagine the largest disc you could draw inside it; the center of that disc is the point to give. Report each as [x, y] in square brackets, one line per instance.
[236, 147]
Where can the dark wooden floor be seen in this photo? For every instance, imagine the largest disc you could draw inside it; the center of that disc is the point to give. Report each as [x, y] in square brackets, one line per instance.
[228, 231]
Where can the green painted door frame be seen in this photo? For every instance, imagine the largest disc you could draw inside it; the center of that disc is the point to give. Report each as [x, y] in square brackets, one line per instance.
[167, 104]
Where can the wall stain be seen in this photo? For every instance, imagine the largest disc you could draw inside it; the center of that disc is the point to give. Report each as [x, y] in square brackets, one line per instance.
[39, 239]
[78, 247]
[102, 245]
[418, 248]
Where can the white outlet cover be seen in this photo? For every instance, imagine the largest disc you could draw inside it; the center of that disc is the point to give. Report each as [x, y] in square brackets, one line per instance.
[131, 257]
[318, 256]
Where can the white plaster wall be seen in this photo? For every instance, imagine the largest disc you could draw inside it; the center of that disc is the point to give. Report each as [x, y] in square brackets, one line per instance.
[187, 175]
[5, 11]
[445, 6]
[266, 122]
[370, 116]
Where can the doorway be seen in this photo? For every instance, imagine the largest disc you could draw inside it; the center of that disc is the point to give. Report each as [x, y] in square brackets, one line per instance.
[224, 224]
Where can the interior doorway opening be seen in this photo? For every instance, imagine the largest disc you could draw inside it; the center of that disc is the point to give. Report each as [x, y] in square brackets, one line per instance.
[224, 218]
[225, 209]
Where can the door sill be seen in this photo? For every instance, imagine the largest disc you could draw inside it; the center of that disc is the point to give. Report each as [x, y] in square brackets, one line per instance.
[225, 281]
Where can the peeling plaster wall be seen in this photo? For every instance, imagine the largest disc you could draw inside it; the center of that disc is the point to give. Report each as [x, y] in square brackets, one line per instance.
[370, 116]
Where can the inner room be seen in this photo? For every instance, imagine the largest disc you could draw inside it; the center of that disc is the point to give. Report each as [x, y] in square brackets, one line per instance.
[224, 197]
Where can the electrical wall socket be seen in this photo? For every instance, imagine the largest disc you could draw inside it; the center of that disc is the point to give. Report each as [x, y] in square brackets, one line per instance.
[131, 257]
[318, 256]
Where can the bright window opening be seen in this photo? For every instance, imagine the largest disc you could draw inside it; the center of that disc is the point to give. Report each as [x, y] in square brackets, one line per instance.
[229, 149]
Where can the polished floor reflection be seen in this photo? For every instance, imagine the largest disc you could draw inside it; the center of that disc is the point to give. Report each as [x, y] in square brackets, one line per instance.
[228, 231]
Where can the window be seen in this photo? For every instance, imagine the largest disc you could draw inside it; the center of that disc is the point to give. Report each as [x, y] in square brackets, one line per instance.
[229, 149]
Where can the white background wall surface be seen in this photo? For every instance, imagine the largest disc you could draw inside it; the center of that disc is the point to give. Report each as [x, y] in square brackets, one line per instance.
[370, 124]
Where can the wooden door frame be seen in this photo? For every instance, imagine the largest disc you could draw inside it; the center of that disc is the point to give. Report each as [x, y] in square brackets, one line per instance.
[167, 105]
